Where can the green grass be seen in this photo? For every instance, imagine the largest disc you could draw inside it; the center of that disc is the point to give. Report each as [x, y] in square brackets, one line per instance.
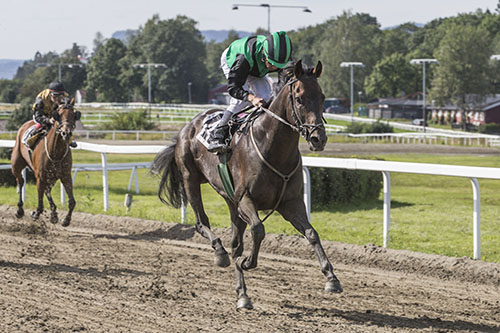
[429, 214]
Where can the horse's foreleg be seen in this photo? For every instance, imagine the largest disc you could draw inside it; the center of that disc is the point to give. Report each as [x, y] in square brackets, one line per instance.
[53, 208]
[193, 194]
[247, 211]
[40, 186]
[295, 212]
[238, 229]
[68, 186]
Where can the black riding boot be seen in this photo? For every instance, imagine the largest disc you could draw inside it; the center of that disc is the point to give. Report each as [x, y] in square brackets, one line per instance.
[219, 135]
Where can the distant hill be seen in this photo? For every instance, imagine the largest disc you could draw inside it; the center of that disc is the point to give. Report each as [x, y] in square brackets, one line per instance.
[220, 35]
[209, 35]
[8, 67]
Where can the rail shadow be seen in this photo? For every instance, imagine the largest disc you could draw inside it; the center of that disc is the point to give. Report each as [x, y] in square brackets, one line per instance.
[383, 320]
[62, 268]
[359, 206]
[176, 232]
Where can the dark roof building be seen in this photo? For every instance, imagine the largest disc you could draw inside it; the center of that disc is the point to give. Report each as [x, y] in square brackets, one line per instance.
[407, 107]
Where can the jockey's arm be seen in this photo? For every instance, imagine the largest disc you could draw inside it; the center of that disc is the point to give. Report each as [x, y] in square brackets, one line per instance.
[237, 77]
[39, 115]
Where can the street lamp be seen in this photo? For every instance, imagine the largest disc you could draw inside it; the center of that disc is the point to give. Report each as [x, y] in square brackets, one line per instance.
[268, 6]
[423, 62]
[44, 64]
[149, 65]
[189, 91]
[352, 65]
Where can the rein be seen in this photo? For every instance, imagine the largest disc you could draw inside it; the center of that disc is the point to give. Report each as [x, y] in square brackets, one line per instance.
[48, 155]
[285, 178]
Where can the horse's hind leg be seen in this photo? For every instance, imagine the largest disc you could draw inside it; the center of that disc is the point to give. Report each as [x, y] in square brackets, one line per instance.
[53, 208]
[68, 186]
[20, 184]
[295, 212]
[193, 193]
[18, 165]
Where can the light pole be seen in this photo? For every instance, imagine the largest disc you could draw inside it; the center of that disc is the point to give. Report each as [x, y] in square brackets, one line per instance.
[268, 6]
[423, 62]
[189, 91]
[59, 65]
[149, 65]
[351, 65]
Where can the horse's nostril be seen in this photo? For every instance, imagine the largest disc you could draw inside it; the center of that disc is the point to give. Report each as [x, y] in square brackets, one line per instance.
[314, 140]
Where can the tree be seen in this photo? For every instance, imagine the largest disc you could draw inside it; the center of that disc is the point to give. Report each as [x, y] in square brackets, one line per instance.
[391, 76]
[350, 37]
[212, 61]
[178, 44]
[104, 72]
[464, 54]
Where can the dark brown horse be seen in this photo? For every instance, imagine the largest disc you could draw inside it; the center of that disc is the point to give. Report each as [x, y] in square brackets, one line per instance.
[265, 165]
[51, 160]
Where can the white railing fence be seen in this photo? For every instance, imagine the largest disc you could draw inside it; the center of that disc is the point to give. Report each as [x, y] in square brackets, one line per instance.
[386, 167]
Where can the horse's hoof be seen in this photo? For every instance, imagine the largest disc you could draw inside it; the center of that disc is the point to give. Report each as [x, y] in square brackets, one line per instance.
[20, 213]
[333, 286]
[239, 261]
[35, 215]
[54, 219]
[244, 303]
[66, 222]
[222, 260]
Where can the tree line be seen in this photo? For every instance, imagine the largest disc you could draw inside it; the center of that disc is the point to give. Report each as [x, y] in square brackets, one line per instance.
[462, 44]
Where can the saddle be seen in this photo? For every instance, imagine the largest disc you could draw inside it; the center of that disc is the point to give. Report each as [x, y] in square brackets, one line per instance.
[237, 123]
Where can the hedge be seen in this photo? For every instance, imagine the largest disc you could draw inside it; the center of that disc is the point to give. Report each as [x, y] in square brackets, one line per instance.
[340, 186]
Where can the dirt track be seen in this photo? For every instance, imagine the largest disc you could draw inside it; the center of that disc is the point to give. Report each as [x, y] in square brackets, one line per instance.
[109, 274]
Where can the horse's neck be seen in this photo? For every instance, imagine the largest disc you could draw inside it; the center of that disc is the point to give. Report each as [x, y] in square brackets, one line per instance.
[275, 139]
[56, 147]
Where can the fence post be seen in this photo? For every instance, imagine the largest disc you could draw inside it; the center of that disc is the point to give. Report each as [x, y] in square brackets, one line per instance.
[307, 191]
[476, 221]
[63, 196]
[23, 190]
[104, 180]
[387, 205]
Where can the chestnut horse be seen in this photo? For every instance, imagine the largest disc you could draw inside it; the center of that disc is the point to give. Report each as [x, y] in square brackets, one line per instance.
[51, 160]
[266, 167]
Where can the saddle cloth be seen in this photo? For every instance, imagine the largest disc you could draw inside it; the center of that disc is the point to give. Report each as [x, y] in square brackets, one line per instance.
[210, 123]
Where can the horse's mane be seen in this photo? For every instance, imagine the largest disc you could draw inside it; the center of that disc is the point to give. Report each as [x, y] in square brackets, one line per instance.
[286, 73]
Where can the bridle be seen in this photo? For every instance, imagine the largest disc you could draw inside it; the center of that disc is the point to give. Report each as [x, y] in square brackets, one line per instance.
[61, 124]
[306, 130]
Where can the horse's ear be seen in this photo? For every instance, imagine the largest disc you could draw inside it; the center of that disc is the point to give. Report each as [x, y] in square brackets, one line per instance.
[72, 102]
[298, 70]
[318, 69]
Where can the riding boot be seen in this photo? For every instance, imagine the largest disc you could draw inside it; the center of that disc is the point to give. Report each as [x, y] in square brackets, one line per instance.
[31, 137]
[218, 140]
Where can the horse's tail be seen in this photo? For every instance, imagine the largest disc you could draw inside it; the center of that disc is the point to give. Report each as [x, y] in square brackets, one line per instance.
[171, 190]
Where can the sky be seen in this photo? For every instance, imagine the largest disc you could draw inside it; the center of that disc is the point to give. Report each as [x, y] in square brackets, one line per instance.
[28, 26]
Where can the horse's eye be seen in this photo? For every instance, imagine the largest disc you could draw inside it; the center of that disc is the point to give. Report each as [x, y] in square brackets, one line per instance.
[299, 100]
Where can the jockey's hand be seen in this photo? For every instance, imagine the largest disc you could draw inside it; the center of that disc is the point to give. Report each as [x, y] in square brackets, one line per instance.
[51, 121]
[256, 101]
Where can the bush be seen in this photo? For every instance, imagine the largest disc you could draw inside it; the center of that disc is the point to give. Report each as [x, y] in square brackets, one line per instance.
[20, 116]
[7, 178]
[490, 128]
[130, 120]
[340, 186]
[376, 127]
